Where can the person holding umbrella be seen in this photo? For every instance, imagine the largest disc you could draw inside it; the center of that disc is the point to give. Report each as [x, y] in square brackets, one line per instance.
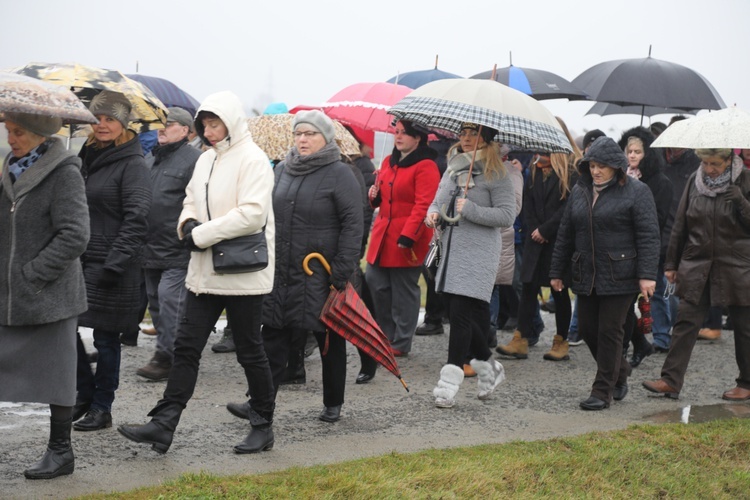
[476, 198]
[707, 258]
[44, 228]
[609, 241]
[118, 192]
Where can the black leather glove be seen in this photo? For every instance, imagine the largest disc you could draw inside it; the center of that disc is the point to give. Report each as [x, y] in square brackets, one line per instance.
[734, 194]
[338, 285]
[190, 244]
[107, 279]
[189, 225]
[405, 241]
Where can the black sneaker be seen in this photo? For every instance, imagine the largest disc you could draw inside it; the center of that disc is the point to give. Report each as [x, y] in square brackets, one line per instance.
[429, 329]
[574, 338]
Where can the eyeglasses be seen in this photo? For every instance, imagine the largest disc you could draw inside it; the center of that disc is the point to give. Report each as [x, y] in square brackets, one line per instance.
[309, 134]
[468, 133]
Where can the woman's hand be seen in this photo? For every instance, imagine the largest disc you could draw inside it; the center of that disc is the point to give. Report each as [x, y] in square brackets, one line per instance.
[556, 284]
[648, 287]
[374, 190]
[432, 220]
[460, 205]
[671, 276]
[537, 237]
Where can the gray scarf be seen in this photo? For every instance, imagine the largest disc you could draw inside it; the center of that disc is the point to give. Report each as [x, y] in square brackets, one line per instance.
[297, 165]
[458, 167]
[711, 187]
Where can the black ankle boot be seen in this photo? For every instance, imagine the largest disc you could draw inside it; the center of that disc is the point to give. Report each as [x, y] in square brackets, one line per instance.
[295, 368]
[58, 460]
[260, 437]
[159, 431]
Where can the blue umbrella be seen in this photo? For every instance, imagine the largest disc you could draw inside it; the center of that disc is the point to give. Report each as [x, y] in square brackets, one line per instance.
[168, 93]
[536, 83]
[415, 79]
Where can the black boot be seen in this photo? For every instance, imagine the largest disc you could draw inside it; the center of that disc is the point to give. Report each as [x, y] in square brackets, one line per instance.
[295, 368]
[159, 431]
[58, 460]
[260, 437]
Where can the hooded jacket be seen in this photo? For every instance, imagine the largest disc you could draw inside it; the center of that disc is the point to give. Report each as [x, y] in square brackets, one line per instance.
[233, 181]
[44, 228]
[118, 191]
[652, 167]
[613, 244]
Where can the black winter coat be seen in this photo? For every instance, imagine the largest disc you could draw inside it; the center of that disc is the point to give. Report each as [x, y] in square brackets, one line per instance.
[118, 191]
[319, 212]
[611, 246]
[542, 209]
[678, 170]
[171, 171]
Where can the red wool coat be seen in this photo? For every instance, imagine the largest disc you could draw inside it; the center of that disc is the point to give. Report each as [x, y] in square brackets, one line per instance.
[405, 194]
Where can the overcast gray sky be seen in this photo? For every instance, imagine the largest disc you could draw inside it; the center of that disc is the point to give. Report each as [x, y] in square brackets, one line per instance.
[302, 52]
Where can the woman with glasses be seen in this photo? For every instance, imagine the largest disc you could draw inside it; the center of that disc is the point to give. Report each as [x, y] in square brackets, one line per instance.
[475, 200]
[709, 260]
[609, 241]
[405, 185]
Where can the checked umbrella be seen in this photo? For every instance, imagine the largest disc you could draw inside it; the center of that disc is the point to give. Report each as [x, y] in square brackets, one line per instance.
[346, 314]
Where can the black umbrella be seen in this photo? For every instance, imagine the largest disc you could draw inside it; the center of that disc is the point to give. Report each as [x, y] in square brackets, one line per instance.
[649, 82]
[605, 109]
[415, 79]
[536, 83]
[169, 93]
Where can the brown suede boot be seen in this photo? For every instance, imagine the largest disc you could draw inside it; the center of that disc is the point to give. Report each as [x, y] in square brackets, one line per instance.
[157, 369]
[709, 334]
[559, 351]
[517, 348]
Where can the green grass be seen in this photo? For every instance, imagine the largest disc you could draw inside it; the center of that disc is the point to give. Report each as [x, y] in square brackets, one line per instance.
[710, 460]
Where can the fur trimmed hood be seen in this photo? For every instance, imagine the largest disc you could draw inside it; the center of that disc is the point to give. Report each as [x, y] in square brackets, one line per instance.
[652, 162]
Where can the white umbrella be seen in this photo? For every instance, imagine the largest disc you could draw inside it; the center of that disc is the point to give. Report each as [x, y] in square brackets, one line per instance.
[519, 119]
[727, 128]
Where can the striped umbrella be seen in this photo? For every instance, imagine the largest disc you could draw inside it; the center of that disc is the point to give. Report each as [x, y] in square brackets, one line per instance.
[346, 314]
[445, 105]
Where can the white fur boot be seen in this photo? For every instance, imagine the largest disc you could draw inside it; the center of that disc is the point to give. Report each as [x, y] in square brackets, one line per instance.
[490, 374]
[451, 377]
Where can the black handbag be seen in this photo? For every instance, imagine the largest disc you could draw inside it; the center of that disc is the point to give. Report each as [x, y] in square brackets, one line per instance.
[243, 254]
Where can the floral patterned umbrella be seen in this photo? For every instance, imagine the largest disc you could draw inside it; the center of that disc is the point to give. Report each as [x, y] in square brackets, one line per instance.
[22, 94]
[87, 81]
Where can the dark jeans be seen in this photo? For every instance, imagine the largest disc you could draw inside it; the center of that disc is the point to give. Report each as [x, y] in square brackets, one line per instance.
[529, 307]
[469, 321]
[99, 387]
[713, 318]
[601, 320]
[277, 342]
[200, 315]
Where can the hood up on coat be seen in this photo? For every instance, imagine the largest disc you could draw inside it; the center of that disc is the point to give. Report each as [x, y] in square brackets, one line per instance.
[228, 107]
[603, 150]
[652, 161]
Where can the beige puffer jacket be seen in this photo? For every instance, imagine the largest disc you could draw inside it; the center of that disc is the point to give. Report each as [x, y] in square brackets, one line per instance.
[507, 265]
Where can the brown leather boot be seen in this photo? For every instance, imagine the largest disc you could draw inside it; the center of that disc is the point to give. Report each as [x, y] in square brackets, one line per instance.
[158, 368]
[517, 348]
[559, 351]
[709, 334]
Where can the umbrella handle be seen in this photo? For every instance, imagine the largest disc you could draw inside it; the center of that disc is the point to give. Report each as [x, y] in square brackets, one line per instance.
[448, 218]
[315, 255]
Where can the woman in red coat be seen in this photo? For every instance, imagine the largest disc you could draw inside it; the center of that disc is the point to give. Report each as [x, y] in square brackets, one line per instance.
[405, 186]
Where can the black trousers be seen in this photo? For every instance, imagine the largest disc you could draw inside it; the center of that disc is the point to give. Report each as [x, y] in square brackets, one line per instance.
[527, 308]
[601, 320]
[277, 342]
[470, 322]
[200, 315]
[434, 308]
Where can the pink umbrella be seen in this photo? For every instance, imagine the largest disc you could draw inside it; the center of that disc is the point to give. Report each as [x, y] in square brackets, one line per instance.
[364, 105]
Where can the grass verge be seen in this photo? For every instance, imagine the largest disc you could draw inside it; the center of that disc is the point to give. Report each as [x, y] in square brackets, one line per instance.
[710, 460]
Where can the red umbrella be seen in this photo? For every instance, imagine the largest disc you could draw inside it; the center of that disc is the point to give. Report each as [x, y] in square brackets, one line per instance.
[364, 105]
[346, 314]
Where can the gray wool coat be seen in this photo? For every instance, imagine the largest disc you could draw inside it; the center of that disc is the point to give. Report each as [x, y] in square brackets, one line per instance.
[44, 228]
[471, 250]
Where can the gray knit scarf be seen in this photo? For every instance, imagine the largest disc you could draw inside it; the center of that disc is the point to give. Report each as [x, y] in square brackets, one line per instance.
[297, 165]
[711, 187]
[458, 167]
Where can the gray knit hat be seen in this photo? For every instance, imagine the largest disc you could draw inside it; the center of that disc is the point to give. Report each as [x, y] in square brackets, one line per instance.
[45, 126]
[180, 116]
[112, 104]
[317, 119]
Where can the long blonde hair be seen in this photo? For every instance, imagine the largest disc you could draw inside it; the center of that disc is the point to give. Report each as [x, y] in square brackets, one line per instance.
[563, 164]
[490, 156]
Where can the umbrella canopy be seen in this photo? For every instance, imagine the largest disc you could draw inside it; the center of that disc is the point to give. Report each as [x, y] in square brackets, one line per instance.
[23, 94]
[346, 314]
[364, 105]
[273, 134]
[520, 120]
[167, 92]
[649, 82]
[728, 128]
[536, 83]
[87, 81]
[415, 79]
[605, 109]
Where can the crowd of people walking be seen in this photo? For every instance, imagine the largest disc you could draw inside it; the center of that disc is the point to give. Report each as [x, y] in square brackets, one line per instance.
[82, 237]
